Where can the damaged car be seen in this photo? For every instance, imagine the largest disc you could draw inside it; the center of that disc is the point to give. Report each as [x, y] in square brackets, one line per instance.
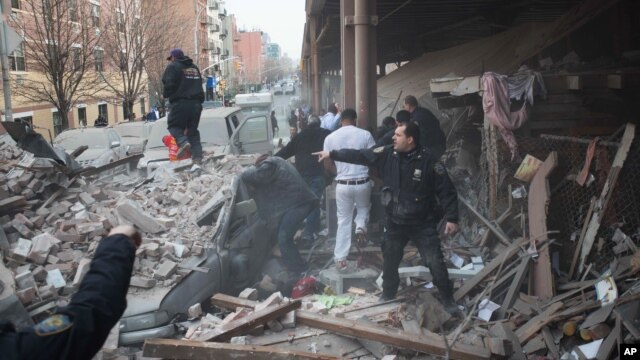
[232, 261]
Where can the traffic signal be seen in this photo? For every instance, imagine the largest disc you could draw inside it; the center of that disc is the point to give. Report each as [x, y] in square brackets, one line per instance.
[223, 84]
[216, 68]
[238, 65]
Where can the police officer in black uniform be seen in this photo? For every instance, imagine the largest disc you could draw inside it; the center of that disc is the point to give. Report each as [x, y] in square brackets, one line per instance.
[79, 330]
[412, 179]
[182, 84]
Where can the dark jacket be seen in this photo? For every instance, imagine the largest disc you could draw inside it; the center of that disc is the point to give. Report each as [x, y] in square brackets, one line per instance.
[79, 330]
[278, 187]
[411, 183]
[182, 81]
[431, 135]
[386, 139]
[308, 141]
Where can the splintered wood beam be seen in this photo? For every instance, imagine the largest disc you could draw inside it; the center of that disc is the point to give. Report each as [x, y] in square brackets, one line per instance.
[607, 190]
[528, 330]
[421, 343]
[361, 330]
[245, 324]
[539, 199]
[187, 349]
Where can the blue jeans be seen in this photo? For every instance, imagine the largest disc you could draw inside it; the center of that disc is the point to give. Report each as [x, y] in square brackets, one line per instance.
[317, 185]
[289, 224]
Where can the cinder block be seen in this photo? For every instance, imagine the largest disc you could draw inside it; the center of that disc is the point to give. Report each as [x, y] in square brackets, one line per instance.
[165, 270]
[21, 251]
[142, 282]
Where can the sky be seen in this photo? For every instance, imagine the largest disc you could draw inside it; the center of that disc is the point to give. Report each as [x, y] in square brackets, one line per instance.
[283, 20]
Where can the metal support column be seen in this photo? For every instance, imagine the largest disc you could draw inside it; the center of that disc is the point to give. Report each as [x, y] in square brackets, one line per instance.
[347, 48]
[363, 21]
[315, 63]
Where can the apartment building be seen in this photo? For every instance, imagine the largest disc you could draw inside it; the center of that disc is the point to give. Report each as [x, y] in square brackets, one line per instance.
[26, 67]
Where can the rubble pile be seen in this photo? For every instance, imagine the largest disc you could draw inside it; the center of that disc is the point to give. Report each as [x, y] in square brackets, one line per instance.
[51, 225]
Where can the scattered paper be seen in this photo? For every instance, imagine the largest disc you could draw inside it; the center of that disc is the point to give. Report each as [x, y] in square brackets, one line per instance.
[519, 193]
[486, 309]
[428, 285]
[456, 260]
[590, 350]
[606, 290]
[469, 266]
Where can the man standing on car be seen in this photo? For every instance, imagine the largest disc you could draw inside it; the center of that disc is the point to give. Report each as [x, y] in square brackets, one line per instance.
[78, 330]
[310, 139]
[412, 180]
[284, 200]
[183, 87]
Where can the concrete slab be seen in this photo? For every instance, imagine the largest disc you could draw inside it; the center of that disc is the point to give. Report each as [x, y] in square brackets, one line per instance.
[337, 280]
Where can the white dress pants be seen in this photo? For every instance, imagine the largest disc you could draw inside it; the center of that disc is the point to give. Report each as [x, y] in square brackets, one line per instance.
[349, 197]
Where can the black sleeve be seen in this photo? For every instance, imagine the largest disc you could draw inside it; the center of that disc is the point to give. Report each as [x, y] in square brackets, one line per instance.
[446, 192]
[367, 157]
[287, 151]
[94, 309]
[170, 81]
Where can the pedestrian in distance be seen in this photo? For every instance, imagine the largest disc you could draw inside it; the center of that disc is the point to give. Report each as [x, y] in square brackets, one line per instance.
[274, 123]
[413, 178]
[78, 330]
[183, 87]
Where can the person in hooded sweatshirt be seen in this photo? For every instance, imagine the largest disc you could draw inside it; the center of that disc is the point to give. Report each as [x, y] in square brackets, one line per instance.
[182, 84]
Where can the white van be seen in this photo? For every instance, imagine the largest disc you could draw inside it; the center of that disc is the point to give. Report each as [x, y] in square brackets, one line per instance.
[255, 103]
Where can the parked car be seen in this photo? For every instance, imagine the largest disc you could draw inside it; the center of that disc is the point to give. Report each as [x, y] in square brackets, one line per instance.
[135, 135]
[233, 263]
[277, 89]
[289, 88]
[222, 131]
[212, 104]
[104, 145]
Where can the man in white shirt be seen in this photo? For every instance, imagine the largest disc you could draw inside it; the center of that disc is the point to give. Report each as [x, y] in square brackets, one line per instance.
[353, 188]
[331, 120]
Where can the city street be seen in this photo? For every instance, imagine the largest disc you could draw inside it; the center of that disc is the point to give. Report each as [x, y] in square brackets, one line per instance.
[281, 105]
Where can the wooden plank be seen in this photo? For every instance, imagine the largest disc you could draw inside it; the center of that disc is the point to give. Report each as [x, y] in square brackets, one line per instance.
[550, 342]
[420, 343]
[231, 302]
[515, 286]
[187, 349]
[609, 343]
[11, 203]
[528, 330]
[602, 202]
[585, 225]
[599, 316]
[243, 325]
[539, 199]
[502, 331]
[488, 269]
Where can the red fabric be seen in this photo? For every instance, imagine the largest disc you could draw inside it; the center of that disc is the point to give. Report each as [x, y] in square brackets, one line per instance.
[304, 286]
[170, 142]
[497, 109]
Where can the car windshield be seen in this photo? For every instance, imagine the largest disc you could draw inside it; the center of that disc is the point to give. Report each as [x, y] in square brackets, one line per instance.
[213, 131]
[73, 139]
[134, 129]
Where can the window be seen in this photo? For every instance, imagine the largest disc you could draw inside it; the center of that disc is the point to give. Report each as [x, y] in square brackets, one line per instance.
[82, 116]
[52, 49]
[16, 59]
[102, 111]
[57, 123]
[99, 55]
[73, 10]
[143, 109]
[254, 130]
[15, 4]
[77, 60]
[120, 21]
[95, 15]
[24, 120]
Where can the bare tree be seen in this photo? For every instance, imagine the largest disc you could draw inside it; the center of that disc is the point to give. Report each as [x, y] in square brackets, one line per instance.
[135, 36]
[59, 43]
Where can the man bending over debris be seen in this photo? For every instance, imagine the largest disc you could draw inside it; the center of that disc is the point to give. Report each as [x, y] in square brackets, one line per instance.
[283, 198]
[412, 178]
[79, 330]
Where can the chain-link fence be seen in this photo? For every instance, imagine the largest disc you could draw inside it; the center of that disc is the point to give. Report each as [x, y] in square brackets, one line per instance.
[569, 201]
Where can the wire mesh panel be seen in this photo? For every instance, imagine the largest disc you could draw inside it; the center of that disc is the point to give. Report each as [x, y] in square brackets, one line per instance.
[570, 201]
